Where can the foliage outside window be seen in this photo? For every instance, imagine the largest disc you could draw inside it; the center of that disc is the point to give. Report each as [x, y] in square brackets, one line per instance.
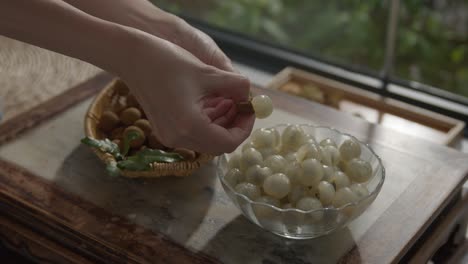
[432, 37]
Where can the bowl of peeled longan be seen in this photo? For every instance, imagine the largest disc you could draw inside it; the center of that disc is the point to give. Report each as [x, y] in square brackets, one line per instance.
[119, 133]
[301, 181]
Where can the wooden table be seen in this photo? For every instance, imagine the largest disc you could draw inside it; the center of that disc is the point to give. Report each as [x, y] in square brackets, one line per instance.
[58, 205]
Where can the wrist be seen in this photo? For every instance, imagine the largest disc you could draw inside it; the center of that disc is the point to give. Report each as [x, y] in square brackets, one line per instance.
[163, 25]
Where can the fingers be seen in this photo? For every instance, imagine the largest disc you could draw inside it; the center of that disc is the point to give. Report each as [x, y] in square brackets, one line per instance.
[228, 85]
[220, 109]
[214, 138]
[211, 101]
[227, 118]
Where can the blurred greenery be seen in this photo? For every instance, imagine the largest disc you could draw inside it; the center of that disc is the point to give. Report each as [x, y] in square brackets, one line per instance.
[432, 40]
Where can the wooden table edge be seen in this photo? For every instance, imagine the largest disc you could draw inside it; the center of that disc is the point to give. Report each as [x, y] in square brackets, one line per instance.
[14, 127]
[27, 210]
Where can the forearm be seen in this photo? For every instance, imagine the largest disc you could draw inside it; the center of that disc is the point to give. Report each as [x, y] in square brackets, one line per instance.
[58, 26]
[138, 14]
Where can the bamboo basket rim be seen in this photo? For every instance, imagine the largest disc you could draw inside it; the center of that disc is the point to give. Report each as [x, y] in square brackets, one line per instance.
[182, 168]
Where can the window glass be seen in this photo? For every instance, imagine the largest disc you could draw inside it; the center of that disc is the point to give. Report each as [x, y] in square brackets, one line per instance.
[432, 44]
[350, 33]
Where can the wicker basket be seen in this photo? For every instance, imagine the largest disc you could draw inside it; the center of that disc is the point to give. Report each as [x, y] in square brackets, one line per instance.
[105, 100]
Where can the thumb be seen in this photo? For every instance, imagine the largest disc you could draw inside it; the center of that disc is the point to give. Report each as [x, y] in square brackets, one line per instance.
[229, 85]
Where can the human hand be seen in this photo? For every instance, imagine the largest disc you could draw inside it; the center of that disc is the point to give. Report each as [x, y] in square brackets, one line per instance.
[145, 16]
[199, 44]
[188, 103]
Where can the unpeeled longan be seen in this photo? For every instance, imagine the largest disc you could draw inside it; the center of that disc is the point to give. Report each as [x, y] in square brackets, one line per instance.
[144, 125]
[130, 115]
[136, 143]
[108, 121]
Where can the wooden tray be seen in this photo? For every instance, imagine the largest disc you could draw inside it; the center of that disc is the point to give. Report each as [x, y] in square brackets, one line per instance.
[370, 106]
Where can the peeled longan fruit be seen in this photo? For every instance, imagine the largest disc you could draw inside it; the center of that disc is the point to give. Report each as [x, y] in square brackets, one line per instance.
[186, 153]
[136, 143]
[132, 101]
[121, 88]
[117, 133]
[108, 121]
[144, 125]
[130, 115]
[154, 143]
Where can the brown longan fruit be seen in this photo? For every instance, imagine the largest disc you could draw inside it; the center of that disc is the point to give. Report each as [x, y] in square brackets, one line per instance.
[154, 143]
[186, 153]
[132, 101]
[141, 136]
[130, 115]
[144, 125]
[121, 88]
[117, 133]
[108, 121]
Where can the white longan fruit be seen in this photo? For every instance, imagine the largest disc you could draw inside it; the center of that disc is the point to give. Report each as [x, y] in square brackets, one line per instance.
[276, 163]
[309, 151]
[262, 105]
[359, 170]
[330, 156]
[308, 203]
[293, 171]
[264, 138]
[328, 172]
[292, 138]
[309, 138]
[326, 192]
[233, 177]
[249, 158]
[234, 161]
[312, 172]
[247, 145]
[267, 152]
[248, 189]
[277, 185]
[359, 189]
[340, 180]
[350, 149]
[344, 196]
[297, 192]
[291, 157]
[257, 175]
[328, 142]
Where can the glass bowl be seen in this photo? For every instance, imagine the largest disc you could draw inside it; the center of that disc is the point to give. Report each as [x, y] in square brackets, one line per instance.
[297, 224]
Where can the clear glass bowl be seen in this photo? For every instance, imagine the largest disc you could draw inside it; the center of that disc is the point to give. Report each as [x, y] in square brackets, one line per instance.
[298, 224]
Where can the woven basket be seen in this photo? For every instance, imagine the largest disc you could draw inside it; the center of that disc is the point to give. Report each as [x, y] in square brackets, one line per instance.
[105, 100]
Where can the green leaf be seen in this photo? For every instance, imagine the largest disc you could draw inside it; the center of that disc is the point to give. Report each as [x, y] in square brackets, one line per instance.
[142, 160]
[156, 152]
[104, 145]
[133, 165]
[132, 135]
[112, 169]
